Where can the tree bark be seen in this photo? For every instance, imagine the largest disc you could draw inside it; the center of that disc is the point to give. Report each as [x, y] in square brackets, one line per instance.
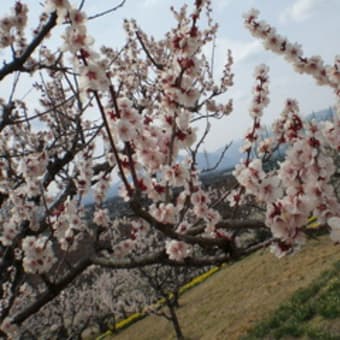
[174, 320]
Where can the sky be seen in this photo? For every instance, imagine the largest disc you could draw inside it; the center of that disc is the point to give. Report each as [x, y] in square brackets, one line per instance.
[313, 23]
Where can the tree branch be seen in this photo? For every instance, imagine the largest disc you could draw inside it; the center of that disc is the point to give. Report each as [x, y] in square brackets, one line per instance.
[18, 62]
[51, 293]
[108, 11]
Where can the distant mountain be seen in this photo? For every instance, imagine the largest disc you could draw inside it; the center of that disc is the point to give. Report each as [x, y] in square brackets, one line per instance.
[319, 116]
[204, 161]
[112, 192]
[207, 160]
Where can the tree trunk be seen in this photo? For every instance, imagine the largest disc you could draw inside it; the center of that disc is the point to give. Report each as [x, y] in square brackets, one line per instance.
[174, 320]
[176, 298]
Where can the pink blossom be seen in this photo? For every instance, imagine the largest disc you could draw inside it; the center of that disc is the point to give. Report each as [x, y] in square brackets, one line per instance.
[60, 6]
[39, 255]
[126, 130]
[101, 217]
[177, 250]
[164, 213]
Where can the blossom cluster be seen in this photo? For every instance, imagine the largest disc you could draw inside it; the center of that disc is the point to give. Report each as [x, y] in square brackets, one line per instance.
[293, 53]
[68, 224]
[39, 256]
[301, 186]
[177, 250]
[12, 26]
[152, 141]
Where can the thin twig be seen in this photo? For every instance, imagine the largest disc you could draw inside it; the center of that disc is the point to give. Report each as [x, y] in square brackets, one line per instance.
[147, 52]
[108, 11]
[226, 147]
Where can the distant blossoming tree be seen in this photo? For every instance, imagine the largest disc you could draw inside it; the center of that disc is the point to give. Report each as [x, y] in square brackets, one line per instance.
[132, 112]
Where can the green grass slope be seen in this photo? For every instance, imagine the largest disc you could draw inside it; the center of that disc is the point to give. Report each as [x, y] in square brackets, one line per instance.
[312, 312]
[232, 302]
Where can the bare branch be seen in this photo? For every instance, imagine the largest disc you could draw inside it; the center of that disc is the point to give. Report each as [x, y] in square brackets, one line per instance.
[108, 11]
[226, 147]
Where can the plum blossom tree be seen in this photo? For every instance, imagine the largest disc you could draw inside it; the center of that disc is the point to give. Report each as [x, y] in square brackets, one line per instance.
[166, 286]
[165, 283]
[301, 186]
[93, 304]
[130, 113]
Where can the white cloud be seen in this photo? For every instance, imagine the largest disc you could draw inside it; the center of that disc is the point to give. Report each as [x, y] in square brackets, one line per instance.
[301, 10]
[150, 3]
[241, 50]
[222, 4]
[248, 51]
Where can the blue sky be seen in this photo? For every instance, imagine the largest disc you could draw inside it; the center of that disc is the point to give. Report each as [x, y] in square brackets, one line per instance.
[313, 23]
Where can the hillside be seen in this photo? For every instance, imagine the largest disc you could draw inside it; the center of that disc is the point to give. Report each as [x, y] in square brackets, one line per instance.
[239, 295]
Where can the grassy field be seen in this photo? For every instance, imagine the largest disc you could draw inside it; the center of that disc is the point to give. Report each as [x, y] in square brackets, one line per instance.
[236, 298]
[312, 312]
